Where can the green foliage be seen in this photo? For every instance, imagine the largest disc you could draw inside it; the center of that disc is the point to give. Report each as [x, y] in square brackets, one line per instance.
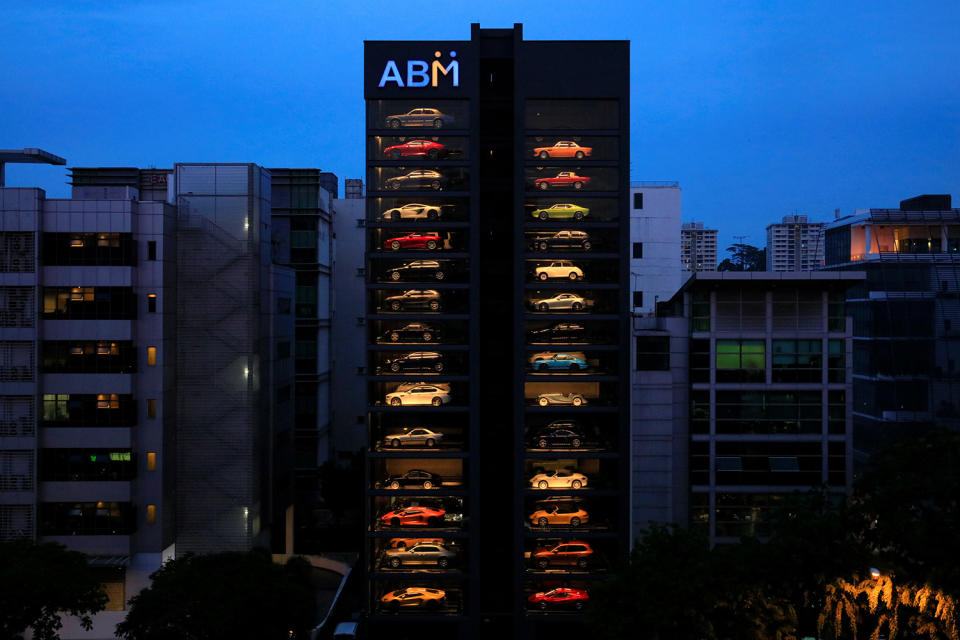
[39, 582]
[223, 595]
[744, 257]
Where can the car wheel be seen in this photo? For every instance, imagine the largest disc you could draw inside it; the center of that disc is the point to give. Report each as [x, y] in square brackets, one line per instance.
[433, 522]
[542, 484]
[432, 215]
[394, 185]
[443, 563]
[438, 275]
[434, 305]
[542, 522]
[544, 246]
[576, 484]
[427, 484]
[433, 154]
[575, 443]
[395, 443]
[395, 306]
[543, 186]
[395, 563]
[576, 306]
[578, 605]
[394, 275]
[574, 367]
[438, 124]
[426, 336]
[432, 604]
[573, 275]
[436, 402]
[582, 563]
[578, 185]
[396, 402]
[394, 366]
[395, 155]
[542, 367]
[431, 443]
[579, 155]
[578, 215]
[586, 245]
[544, 155]
[544, 306]
[574, 521]
[394, 522]
[435, 185]
[543, 402]
[431, 245]
[394, 337]
[577, 401]
[395, 245]
[438, 367]
[393, 124]
[542, 443]
[543, 215]
[394, 606]
[542, 564]
[543, 606]
[394, 485]
[542, 275]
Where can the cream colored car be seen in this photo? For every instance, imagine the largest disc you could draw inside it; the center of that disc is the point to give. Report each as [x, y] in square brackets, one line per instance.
[419, 395]
[559, 479]
[564, 269]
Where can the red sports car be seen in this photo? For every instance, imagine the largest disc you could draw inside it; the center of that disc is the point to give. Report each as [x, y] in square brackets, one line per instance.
[414, 517]
[414, 240]
[562, 179]
[415, 149]
[559, 598]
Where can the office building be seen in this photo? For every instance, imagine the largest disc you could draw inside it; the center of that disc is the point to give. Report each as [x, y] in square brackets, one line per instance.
[906, 329]
[698, 247]
[741, 395]
[795, 244]
[497, 311]
[655, 270]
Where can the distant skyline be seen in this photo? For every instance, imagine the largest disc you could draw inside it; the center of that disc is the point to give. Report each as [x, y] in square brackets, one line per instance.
[758, 109]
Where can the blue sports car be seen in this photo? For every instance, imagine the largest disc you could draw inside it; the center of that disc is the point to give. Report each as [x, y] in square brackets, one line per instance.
[559, 362]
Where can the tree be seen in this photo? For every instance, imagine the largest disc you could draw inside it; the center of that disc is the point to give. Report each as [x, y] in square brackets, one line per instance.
[223, 595]
[744, 257]
[38, 582]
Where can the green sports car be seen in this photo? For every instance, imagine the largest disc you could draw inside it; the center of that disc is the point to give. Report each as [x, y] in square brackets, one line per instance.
[561, 212]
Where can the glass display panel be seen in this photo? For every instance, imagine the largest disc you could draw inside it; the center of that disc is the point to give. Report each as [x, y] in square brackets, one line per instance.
[573, 270]
[571, 361]
[419, 270]
[420, 362]
[571, 332]
[423, 432]
[418, 332]
[426, 146]
[419, 596]
[569, 513]
[569, 239]
[419, 554]
[417, 474]
[421, 114]
[548, 179]
[425, 395]
[572, 434]
[570, 207]
[422, 179]
[568, 555]
[572, 114]
[572, 147]
[569, 394]
[572, 301]
[418, 301]
[423, 209]
[410, 514]
[570, 474]
[556, 597]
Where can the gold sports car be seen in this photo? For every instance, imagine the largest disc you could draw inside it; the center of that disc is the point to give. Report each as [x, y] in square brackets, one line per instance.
[414, 598]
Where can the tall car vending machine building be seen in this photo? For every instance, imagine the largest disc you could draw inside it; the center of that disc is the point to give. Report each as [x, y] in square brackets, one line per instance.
[497, 299]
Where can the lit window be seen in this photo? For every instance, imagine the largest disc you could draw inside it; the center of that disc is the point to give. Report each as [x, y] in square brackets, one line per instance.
[151, 513]
[108, 349]
[151, 356]
[151, 461]
[151, 303]
[151, 407]
[108, 401]
[76, 242]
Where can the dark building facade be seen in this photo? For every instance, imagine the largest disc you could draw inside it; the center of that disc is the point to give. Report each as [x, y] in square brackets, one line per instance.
[497, 298]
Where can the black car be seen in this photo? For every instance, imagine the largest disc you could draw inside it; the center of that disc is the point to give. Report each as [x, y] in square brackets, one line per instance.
[416, 361]
[418, 179]
[417, 270]
[560, 433]
[413, 332]
[428, 299]
[558, 332]
[413, 478]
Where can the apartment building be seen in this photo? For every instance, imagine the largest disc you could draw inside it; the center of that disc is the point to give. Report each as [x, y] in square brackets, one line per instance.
[698, 247]
[794, 244]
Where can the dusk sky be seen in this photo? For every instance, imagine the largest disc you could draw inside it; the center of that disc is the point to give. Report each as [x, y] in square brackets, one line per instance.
[758, 109]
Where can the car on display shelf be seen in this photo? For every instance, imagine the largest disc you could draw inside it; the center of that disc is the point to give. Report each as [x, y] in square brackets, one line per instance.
[562, 179]
[417, 179]
[419, 395]
[566, 554]
[563, 598]
[414, 598]
[561, 211]
[415, 361]
[414, 299]
[423, 553]
[563, 513]
[577, 240]
[412, 332]
[413, 478]
[559, 433]
[563, 149]
[417, 270]
[414, 240]
[420, 117]
[414, 517]
[559, 479]
[560, 302]
[418, 437]
[558, 332]
[406, 543]
[561, 399]
[416, 149]
[416, 211]
[563, 269]
[558, 362]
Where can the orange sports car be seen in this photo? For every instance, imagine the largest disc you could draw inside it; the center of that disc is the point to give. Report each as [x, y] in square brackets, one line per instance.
[414, 517]
[563, 149]
[561, 515]
[414, 598]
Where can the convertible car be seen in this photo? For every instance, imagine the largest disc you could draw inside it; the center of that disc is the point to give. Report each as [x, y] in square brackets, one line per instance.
[561, 399]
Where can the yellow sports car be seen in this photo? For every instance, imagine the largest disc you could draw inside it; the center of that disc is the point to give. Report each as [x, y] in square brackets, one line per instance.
[414, 598]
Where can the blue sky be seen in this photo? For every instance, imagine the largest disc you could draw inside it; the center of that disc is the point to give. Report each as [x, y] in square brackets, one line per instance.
[759, 109]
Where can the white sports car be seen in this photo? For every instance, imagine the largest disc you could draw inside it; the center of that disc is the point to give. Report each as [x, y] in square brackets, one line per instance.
[412, 211]
[420, 394]
[559, 302]
[559, 479]
[419, 437]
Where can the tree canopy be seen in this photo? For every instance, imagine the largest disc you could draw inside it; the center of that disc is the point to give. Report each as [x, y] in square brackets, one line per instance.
[744, 257]
[38, 583]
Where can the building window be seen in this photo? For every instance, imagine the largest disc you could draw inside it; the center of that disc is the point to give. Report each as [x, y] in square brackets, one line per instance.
[784, 463]
[637, 250]
[108, 401]
[700, 360]
[112, 584]
[653, 353]
[797, 361]
[741, 360]
[151, 303]
[151, 514]
[638, 201]
[836, 361]
[700, 311]
[151, 461]
[283, 349]
[151, 407]
[730, 463]
[283, 306]
[151, 356]
[151, 249]
[361, 419]
[638, 298]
